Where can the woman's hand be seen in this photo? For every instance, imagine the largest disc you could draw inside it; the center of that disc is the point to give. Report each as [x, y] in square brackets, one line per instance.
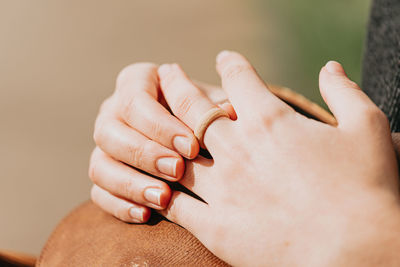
[282, 189]
[138, 140]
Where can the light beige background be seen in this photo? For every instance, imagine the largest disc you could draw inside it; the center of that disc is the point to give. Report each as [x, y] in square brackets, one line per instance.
[59, 60]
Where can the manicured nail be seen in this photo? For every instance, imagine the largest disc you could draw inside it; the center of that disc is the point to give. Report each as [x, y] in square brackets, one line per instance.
[183, 145]
[167, 166]
[223, 55]
[136, 214]
[164, 69]
[153, 195]
[334, 67]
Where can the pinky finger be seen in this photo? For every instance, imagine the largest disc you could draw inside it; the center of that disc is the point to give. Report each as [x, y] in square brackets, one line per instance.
[120, 208]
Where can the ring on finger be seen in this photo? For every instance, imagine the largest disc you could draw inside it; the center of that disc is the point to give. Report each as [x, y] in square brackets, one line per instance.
[205, 121]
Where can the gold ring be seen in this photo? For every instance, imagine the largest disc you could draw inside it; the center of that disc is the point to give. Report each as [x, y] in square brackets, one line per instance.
[205, 122]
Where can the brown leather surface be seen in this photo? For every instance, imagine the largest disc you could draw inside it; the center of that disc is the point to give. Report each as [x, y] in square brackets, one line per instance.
[90, 237]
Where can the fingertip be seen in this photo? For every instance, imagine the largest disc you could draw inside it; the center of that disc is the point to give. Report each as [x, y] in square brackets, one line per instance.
[180, 169]
[335, 68]
[194, 148]
[333, 76]
[188, 147]
[129, 71]
[166, 69]
[165, 196]
[138, 214]
[146, 214]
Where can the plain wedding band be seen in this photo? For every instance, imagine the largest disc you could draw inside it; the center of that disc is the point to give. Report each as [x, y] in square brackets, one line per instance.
[205, 121]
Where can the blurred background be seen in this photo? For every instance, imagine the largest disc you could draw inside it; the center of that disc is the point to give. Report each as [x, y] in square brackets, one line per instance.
[59, 60]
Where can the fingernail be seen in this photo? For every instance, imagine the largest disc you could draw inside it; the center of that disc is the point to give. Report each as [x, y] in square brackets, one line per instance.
[222, 55]
[164, 69]
[334, 67]
[167, 166]
[136, 214]
[153, 195]
[183, 145]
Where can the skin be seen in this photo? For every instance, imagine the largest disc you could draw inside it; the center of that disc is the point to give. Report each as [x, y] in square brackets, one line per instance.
[295, 192]
[133, 130]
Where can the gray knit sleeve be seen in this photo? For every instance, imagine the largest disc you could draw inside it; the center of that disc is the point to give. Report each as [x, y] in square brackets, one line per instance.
[381, 66]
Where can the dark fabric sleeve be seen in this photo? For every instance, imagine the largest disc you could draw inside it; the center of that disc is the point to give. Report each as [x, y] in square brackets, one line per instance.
[381, 66]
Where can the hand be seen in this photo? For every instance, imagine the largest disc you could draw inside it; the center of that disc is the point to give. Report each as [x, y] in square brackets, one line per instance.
[282, 189]
[133, 132]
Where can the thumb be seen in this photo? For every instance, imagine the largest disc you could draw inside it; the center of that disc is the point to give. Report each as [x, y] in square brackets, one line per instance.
[344, 97]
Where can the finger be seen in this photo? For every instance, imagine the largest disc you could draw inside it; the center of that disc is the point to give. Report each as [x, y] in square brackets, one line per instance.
[188, 103]
[217, 96]
[128, 183]
[138, 91]
[120, 208]
[244, 87]
[131, 147]
[350, 105]
[199, 167]
[186, 211]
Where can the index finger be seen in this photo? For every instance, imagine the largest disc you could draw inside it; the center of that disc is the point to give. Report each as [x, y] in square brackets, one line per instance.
[138, 91]
[244, 87]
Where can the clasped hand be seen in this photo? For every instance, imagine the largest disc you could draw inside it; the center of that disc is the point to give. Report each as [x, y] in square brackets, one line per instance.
[280, 190]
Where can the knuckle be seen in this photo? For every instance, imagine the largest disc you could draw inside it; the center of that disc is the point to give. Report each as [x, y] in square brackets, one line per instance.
[234, 70]
[374, 116]
[137, 153]
[156, 130]
[96, 162]
[122, 75]
[107, 103]
[129, 189]
[345, 82]
[98, 133]
[102, 121]
[103, 132]
[183, 105]
[271, 117]
[92, 171]
[168, 80]
[352, 85]
[130, 69]
[130, 108]
[93, 167]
